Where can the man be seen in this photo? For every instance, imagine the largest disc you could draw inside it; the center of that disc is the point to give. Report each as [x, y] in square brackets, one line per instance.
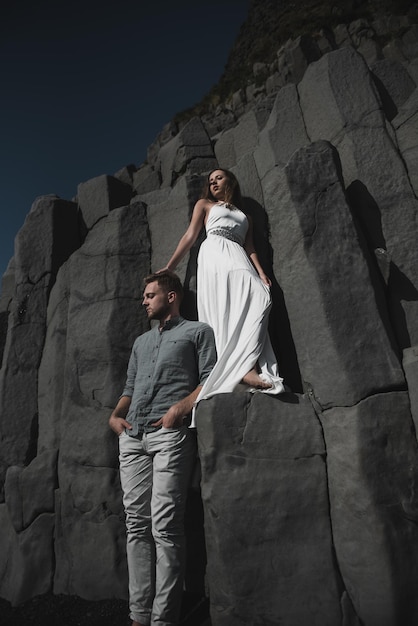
[167, 368]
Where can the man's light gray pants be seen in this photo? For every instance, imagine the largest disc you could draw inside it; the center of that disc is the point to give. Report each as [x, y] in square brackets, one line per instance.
[155, 474]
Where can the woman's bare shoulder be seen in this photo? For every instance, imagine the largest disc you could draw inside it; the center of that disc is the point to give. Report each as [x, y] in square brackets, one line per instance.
[203, 205]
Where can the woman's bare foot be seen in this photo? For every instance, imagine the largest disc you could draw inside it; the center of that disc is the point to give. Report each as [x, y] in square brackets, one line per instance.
[253, 379]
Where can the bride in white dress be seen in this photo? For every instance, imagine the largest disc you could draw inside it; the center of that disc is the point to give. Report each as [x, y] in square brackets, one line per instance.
[233, 292]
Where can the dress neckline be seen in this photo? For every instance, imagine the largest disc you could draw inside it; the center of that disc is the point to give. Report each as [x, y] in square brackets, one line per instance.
[228, 205]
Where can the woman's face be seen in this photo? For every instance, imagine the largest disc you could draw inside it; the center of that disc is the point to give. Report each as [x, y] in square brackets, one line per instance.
[217, 184]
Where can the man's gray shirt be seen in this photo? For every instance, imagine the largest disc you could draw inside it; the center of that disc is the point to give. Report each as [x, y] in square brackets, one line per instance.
[166, 366]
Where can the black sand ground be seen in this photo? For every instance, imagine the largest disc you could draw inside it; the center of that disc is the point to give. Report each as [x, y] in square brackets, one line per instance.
[62, 610]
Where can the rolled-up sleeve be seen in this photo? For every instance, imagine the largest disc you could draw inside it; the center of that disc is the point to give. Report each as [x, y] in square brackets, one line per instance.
[131, 373]
[206, 352]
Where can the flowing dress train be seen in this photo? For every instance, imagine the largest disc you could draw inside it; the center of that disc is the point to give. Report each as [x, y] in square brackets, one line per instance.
[233, 300]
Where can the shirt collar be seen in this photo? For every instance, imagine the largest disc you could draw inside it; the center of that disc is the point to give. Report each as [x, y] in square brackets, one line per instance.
[171, 323]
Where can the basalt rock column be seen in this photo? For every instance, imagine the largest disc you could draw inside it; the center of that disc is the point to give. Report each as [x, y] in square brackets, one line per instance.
[267, 521]
[340, 104]
[104, 317]
[349, 362]
[336, 308]
[49, 235]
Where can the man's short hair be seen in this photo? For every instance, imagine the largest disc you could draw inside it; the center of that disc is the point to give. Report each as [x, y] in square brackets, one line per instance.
[169, 281]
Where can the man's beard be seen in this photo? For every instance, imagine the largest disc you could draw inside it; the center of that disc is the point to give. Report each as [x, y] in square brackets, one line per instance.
[160, 314]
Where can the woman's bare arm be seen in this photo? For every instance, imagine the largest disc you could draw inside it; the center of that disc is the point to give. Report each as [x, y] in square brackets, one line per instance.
[188, 239]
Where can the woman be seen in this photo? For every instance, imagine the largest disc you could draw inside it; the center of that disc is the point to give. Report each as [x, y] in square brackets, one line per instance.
[233, 292]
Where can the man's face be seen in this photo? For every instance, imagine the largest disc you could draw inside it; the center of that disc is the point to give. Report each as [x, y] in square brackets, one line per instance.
[156, 301]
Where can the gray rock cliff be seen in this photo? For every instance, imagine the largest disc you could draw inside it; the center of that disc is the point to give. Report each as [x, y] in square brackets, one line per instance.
[310, 505]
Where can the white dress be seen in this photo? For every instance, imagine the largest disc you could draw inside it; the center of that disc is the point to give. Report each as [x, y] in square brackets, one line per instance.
[232, 298]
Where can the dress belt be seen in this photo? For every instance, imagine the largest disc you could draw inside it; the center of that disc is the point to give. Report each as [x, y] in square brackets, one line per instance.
[224, 232]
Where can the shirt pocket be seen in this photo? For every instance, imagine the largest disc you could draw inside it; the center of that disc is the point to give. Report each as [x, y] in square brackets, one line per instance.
[179, 353]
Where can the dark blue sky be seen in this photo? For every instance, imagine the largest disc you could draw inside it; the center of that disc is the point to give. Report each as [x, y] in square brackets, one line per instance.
[87, 86]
